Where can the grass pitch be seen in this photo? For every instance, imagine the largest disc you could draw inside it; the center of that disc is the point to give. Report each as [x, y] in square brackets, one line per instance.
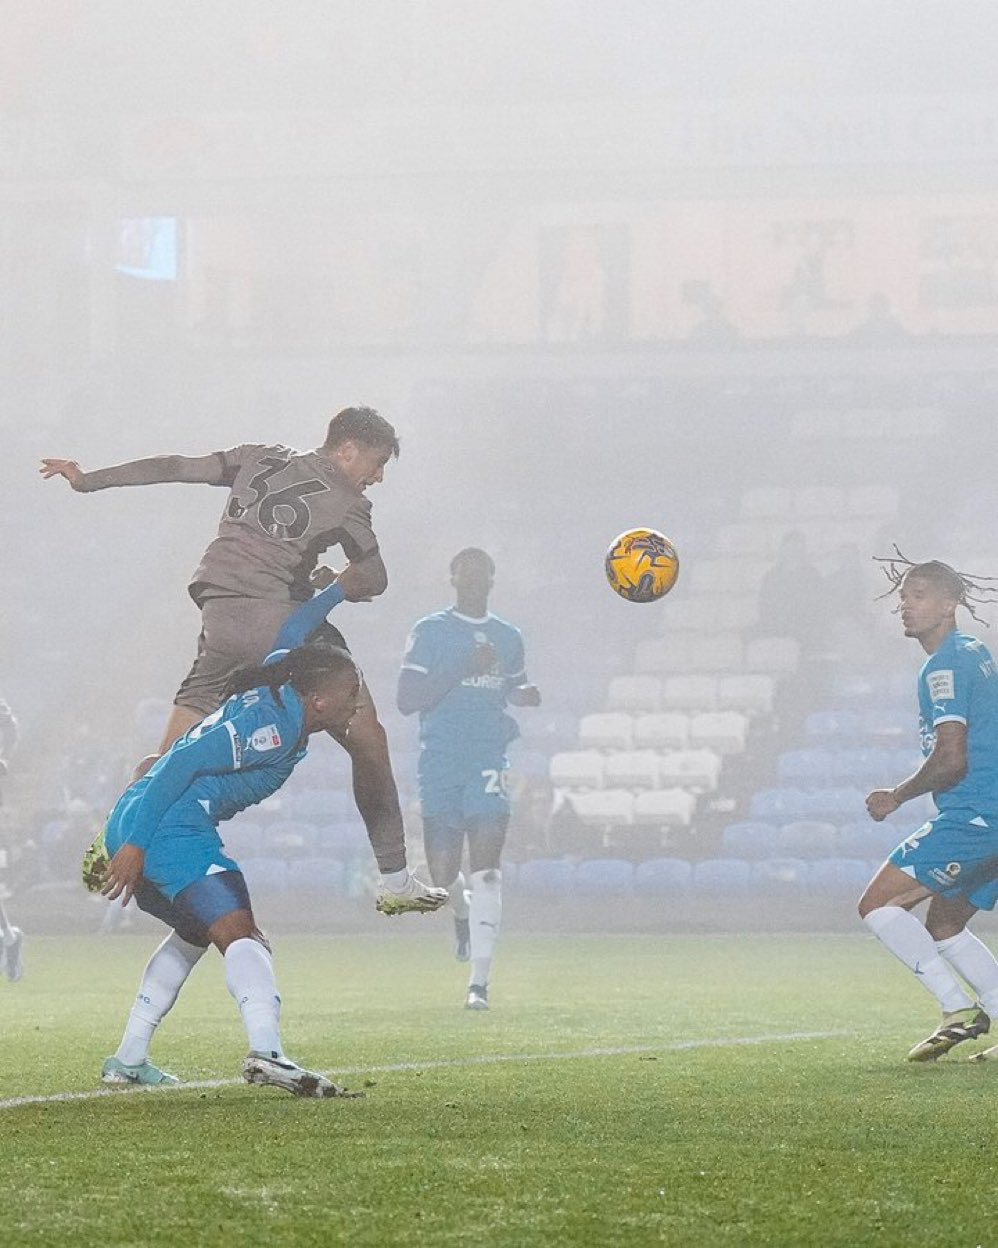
[715, 1126]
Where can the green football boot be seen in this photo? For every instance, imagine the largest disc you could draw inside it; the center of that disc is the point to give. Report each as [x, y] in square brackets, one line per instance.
[115, 1071]
[954, 1029]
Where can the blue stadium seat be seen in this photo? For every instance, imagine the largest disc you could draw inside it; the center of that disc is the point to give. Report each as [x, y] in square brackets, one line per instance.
[784, 877]
[806, 838]
[318, 875]
[836, 803]
[721, 877]
[663, 877]
[265, 876]
[833, 725]
[319, 806]
[781, 805]
[750, 840]
[838, 876]
[813, 766]
[600, 877]
[546, 877]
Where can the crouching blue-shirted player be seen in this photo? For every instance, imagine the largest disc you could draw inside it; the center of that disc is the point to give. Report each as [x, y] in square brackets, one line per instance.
[167, 853]
[461, 668]
[953, 859]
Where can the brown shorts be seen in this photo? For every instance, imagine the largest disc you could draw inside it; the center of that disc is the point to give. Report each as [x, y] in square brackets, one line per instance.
[235, 633]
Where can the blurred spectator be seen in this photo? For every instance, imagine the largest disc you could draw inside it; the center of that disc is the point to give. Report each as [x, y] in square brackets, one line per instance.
[791, 596]
[880, 325]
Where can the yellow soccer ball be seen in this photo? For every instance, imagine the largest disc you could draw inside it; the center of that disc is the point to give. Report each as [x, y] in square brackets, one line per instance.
[642, 565]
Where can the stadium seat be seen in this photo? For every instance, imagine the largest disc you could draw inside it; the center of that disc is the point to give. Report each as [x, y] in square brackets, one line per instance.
[721, 877]
[780, 805]
[721, 731]
[604, 877]
[604, 808]
[632, 769]
[838, 803]
[525, 762]
[697, 770]
[241, 840]
[634, 694]
[866, 767]
[807, 838]
[346, 839]
[819, 500]
[663, 877]
[751, 694]
[745, 537]
[289, 838]
[685, 615]
[664, 808]
[327, 876]
[576, 769]
[767, 503]
[838, 876]
[740, 612]
[666, 730]
[878, 502]
[846, 725]
[750, 840]
[775, 655]
[886, 723]
[781, 877]
[723, 652]
[811, 766]
[606, 731]
[265, 876]
[318, 805]
[690, 693]
[545, 877]
[663, 655]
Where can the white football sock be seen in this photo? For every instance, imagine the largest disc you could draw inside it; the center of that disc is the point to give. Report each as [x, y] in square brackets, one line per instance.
[459, 896]
[164, 976]
[972, 959]
[249, 976]
[909, 941]
[484, 914]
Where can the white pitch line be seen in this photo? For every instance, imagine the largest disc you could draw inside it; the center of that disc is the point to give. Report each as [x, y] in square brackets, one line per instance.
[452, 1063]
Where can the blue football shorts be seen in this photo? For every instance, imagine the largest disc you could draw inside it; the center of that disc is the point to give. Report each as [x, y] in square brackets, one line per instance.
[465, 788]
[954, 857]
[180, 855]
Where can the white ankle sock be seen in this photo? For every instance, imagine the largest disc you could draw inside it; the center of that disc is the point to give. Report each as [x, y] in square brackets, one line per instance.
[459, 896]
[909, 941]
[484, 913]
[972, 959]
[164, 976]
[249, 976]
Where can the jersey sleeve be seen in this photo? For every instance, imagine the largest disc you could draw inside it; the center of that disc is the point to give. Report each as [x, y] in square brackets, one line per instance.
[421, 649]
[517, 663]
[948, 681]
[216, 468]
[355, 534]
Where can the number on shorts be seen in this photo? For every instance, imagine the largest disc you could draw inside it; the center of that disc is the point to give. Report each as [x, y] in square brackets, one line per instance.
[495, 782]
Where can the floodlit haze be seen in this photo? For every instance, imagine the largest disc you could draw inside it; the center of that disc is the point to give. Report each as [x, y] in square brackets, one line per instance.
[601, 264]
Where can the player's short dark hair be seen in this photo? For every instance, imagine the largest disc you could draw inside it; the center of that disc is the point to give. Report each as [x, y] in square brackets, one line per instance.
[363, 425]
[473, 554]
[304, 669]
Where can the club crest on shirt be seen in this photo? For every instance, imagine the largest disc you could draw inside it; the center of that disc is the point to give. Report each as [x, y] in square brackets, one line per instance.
[266, 738]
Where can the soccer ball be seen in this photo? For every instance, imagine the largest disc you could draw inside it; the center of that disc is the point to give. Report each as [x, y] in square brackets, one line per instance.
[642, 565]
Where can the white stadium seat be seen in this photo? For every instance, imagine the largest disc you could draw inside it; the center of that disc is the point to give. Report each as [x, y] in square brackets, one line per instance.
[634, 693]
[576, 769]
[720, 653]
[663, 654]
[604, 807]
[752, 694]
[697, 770]
[668, 730]
[819, 500]
[879, 502]
[606, 730]
[632, 769]
[776, 655]
[689, 693]
[669, 808]
[683, 615]
[746, 537]
[723, 731]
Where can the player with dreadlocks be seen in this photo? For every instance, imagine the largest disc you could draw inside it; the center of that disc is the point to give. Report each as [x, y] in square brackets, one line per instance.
[952, 860]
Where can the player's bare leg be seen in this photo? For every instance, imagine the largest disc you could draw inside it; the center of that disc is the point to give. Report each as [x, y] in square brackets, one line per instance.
[443, 842]
[374, 787]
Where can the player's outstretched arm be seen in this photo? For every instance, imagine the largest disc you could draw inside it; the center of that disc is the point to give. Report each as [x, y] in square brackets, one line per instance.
[158, 469]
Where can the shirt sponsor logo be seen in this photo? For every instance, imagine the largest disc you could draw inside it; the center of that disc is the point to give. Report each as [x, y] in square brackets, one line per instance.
[941, 685]
[267, 738]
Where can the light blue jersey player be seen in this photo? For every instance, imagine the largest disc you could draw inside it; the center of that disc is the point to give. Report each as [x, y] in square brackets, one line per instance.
[952, 860]
[462, 667]
[166, 851]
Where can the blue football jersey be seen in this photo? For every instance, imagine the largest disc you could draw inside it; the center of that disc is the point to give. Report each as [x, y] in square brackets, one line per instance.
[235, 758]
[959, 683]
[471, 715]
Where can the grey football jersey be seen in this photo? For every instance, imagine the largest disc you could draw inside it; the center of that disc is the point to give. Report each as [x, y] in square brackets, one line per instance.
[285, 508]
